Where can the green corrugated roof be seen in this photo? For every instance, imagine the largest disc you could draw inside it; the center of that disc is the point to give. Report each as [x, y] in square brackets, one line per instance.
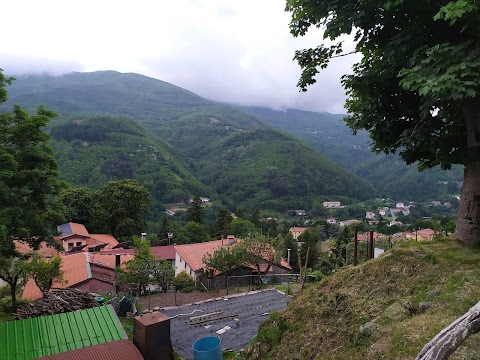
[48, 335]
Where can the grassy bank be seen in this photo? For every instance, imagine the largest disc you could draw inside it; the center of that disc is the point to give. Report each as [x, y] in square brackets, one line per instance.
[360, 311]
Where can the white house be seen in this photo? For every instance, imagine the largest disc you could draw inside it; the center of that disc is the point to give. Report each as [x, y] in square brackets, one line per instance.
[400, 205]
[332, 204]
[370, 215]
[331, 221]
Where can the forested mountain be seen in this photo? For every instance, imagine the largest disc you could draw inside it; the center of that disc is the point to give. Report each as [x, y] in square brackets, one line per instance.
[227, 149]
[273, 170]
[92, 150]
[330, 136]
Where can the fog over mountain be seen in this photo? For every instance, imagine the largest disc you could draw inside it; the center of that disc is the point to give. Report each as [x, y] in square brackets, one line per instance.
[224, 50]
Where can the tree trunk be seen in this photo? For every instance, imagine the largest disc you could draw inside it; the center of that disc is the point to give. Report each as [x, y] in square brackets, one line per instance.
[468, 218]
[13, 293]
[451, 337]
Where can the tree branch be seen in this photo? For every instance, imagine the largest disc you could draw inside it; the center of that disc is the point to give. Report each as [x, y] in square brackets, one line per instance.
[345, 54]
[451, 337]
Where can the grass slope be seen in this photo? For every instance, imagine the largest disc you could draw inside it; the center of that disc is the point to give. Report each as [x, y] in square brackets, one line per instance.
[324, 321]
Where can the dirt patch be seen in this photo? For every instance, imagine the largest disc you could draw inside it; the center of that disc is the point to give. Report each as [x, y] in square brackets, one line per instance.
[168, 299]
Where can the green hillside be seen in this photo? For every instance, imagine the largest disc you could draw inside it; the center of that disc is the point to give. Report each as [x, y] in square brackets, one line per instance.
[325, 132]
[176, 115]
[270, 169]
[359, 312]
[401, 181]
[94, 149]
[330, 136]
[198, 131]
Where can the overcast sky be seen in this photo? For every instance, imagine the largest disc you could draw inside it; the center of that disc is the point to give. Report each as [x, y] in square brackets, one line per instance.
[236, 51]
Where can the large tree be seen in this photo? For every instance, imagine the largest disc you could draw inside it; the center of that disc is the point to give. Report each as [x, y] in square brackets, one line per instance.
[416, 88]
[28, 185]
[125, 205]
[139, 269]
[196, 211]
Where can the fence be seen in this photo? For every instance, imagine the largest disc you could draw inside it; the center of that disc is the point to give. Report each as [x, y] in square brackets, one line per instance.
[240, 283]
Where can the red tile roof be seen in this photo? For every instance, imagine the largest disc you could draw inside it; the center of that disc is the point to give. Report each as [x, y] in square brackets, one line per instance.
[120, 349]
[160, 252]
[298, 229]
[193, 254]
[104, 239]
[108, 260]
[164, 252]
[72, 228]
[44, 249]
[75, 270]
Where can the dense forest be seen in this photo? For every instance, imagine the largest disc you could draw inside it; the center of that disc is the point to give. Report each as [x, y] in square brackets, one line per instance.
[330, 136]
[93, 150]
[114, 125]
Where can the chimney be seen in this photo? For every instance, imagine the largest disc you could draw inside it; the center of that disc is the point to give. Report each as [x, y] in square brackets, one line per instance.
[230, 239]
[144, 236]
[151, 335]
[117, 260]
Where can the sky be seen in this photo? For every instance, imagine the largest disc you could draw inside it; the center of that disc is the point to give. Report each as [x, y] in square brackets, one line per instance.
[234, 51]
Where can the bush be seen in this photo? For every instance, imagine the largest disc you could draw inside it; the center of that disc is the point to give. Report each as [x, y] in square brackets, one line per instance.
[182, 281]
[315, 276]
[6, 304]
[4, 291]
[188, 289]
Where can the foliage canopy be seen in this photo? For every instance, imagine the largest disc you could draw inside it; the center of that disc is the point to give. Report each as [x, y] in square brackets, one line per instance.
[416, 88]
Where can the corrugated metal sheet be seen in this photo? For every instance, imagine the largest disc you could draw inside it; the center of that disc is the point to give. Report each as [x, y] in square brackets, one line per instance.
[48, 335]
[121, 349]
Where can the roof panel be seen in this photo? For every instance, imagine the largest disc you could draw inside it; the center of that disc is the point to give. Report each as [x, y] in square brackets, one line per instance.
[48, 335]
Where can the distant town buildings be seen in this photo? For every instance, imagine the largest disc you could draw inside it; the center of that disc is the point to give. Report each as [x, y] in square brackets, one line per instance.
[381, 212]
[399, 205]
[202, 199]
[392, 223]
[332, 204]
[299, 212]
[331, 221]
[349, 222]
[370, 215]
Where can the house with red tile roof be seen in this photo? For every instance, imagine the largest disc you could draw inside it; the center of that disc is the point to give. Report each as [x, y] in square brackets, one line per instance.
[418, 235]
[366, 236]
[75, 237]
[297, 231]
[189, 258]
[90, 272]
[160, 252]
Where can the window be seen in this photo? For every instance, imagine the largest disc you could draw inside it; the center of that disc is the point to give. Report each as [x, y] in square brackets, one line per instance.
[185, 265]
[70, 246]
[79, 243]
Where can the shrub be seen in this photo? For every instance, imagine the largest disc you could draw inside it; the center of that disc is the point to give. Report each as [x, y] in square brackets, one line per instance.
[6, 304]
[4, 291]
[183, 280]
[188, 289]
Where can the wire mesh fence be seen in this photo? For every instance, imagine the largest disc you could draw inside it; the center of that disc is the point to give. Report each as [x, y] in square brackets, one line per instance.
[244, 283]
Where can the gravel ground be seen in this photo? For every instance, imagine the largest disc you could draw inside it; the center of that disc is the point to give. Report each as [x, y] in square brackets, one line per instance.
[168, 299]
